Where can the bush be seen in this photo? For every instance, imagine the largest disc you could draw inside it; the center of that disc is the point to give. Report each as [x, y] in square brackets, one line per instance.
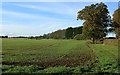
[79, 37]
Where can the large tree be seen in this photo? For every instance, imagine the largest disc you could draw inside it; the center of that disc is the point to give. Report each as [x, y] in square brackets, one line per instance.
[97, 19]
[116, 22]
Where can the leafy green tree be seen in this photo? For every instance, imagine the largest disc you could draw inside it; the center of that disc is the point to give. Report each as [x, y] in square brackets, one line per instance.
[69, 33]
[31, 37]
[59, 34]
[78, 30]
[97, 19]
[116, 22]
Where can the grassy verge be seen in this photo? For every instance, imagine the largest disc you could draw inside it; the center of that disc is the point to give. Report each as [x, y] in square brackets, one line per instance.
[107, 57]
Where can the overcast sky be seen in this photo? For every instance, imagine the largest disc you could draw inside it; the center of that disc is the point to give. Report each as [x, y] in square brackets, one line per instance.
[38, 18]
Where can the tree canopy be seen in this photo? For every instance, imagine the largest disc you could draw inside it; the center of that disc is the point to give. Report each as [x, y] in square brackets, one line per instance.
[116, 22]
[71, 32]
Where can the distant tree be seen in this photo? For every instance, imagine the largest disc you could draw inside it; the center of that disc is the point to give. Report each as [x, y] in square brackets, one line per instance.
[62, 34]
[116, 22]
[6, 36]
[31, 37]
[96, 19]
[41, 37]
[69, 33]
[3, 36]
[78, 30]
[59, 34]
[45, 36]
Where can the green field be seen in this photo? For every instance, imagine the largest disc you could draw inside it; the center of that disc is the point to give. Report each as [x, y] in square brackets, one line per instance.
[57, 56]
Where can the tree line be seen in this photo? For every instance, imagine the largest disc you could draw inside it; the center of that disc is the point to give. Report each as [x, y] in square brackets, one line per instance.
[71, 32]
[68, 33]
[97, 24]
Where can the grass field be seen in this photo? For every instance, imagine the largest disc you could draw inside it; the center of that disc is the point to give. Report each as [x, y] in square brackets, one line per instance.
[113, 42]
[57, 56]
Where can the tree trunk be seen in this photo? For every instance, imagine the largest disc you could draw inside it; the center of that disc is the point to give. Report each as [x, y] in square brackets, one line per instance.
[93, 40]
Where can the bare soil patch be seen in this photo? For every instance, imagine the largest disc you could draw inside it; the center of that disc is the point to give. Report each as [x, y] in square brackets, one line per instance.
[67, 60]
